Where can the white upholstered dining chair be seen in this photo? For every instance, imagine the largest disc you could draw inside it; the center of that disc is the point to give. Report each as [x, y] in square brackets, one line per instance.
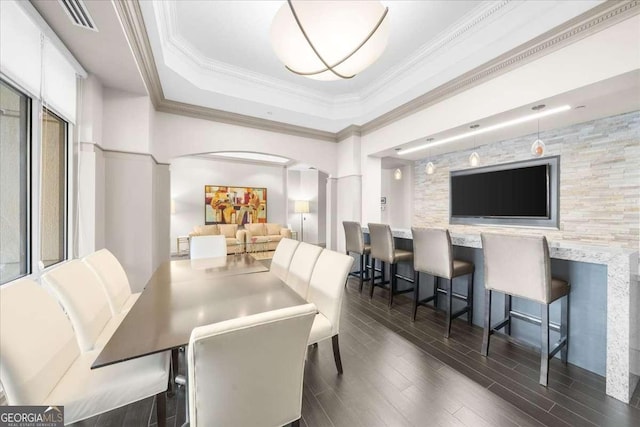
[113, 279]
[282, 257]
[40, 363]
[207, 246]
[301, 268]
[248, 371]
[325, 291]
[82, 296]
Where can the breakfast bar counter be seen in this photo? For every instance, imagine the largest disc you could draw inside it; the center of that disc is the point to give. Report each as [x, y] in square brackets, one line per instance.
[622, 302]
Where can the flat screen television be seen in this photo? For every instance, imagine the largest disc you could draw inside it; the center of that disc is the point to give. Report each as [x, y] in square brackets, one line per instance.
[520, 193]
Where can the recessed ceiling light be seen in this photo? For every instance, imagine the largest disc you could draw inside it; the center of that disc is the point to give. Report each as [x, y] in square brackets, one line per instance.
[241, 155]
[508, 123]
[580, 106]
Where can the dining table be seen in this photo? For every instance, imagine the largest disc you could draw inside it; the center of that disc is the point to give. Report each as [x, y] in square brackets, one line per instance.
[184, 294]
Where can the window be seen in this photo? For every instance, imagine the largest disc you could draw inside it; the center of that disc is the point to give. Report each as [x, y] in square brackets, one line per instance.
[14, 192]
[53, 202]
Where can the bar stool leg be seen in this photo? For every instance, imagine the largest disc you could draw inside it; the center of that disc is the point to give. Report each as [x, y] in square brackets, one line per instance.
[362, 267]
[372, 272]
[393, 269]
[470, 299]
[436, 281]
[507, 314]
[487, 322]
[564, 327]
[416, 296]
[544, 348]
[449, 288]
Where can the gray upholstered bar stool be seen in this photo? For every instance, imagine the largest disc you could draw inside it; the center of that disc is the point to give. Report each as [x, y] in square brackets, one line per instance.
[520, 266]
[355, 243]
[433, 254]
[383, 249]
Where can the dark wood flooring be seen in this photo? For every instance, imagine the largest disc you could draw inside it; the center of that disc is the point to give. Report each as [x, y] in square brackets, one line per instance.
[399, 373]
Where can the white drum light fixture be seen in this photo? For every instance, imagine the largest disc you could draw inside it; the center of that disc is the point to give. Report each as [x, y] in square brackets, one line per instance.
[329, 40]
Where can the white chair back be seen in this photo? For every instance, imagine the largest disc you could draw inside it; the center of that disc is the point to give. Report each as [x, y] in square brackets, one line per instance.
[248, 371]
[327, 285]
[207, 246]
[79, 291]
[517, 265]
[112, 276]
[282, 258]
[301, 268]
[37, 342]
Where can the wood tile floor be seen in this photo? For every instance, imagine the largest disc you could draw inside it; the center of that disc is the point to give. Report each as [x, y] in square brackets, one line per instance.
[399, 373]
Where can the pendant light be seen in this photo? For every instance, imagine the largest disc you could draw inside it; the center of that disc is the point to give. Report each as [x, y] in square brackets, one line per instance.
[474, 158]
[397, 174]
[538, 147]
[430, 169]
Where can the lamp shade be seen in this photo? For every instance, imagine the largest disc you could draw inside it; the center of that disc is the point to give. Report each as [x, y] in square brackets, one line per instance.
[301, 206]
[348, 35]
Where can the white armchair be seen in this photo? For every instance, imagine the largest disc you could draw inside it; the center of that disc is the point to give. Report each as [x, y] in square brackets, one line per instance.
[282, 258]
[40, 363]
[207, 246]
[301, 267]
[113, 279]
[325, 291]
[248, 371]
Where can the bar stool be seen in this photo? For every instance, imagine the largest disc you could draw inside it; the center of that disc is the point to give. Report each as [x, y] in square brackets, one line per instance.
[520, 266]
[383, 249]
[433, 254]
[355, 243]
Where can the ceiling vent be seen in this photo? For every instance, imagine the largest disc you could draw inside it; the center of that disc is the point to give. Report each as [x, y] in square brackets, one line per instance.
[78, 13]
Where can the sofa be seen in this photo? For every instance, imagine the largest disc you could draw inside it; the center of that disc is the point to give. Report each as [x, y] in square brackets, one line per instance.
[233, 236]
[269, 232]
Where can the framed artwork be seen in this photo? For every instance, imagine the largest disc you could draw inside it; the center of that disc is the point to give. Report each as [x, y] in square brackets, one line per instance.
[234, 205]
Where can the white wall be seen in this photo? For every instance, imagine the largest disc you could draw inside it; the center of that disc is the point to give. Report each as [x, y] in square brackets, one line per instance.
[127, 123]
[398, 211]
[182, 136]
[189, 175]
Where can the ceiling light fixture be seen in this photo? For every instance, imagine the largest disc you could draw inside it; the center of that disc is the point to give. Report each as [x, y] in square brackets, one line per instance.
[491, 128]
[474, 158]
[328, 40]
[537, 148]
[397, 174]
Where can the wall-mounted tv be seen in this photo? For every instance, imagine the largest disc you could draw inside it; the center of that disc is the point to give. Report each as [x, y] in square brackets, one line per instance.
[520, 193]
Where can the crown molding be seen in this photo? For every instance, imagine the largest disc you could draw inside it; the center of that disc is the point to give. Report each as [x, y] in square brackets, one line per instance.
[352, 130]
[596, 19]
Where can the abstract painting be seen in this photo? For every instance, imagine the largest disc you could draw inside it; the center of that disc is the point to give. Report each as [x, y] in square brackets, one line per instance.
[234, 205]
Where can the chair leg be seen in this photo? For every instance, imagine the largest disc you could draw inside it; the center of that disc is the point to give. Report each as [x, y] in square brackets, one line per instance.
[161, 409]
[393, 280]
[372, 272]
[336, 353]
[416, 296]
[447, 330]
[470, 299]
[436, 282]
[564, 327]
[347, 279]
[507, 314]
[544, 348]
[487, 322]
[362, 267]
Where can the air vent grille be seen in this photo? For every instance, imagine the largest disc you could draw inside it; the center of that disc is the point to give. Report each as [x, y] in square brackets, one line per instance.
[77, 11]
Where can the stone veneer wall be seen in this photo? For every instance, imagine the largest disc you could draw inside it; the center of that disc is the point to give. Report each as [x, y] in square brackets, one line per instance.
[599, 181]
